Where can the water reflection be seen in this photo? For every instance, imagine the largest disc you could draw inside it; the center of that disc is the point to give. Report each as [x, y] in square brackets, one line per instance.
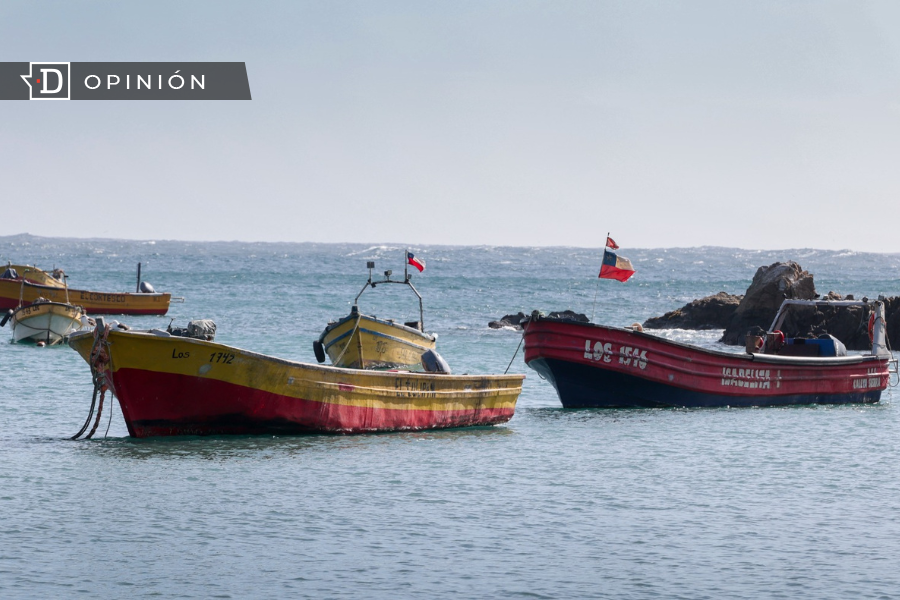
[255, 447]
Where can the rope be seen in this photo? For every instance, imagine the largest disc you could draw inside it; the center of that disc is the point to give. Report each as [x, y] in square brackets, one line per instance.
[349, 339]
[522, 339]
[99, 363]
[88, 420]
[109, 422]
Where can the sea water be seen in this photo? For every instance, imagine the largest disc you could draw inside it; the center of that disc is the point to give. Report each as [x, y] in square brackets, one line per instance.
[726, 503]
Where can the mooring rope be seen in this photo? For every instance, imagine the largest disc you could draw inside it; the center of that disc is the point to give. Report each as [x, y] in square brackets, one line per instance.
[347, 345]
[99, 364]
[522, 339]
[109, 422]
[90, 414]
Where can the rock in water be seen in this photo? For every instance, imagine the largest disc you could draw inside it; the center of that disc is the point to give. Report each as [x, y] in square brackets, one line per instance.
[508, 321]
[712, 312]
[771, 285]
[516, 319]
[568, 315]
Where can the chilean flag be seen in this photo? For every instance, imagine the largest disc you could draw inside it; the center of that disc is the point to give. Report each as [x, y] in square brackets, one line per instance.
[411, 259]
[615, 267]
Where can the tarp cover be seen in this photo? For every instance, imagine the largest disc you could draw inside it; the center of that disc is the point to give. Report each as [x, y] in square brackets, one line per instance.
[202, 329]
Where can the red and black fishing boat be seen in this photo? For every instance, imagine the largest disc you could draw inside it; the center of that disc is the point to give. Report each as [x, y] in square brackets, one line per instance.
[608, 367]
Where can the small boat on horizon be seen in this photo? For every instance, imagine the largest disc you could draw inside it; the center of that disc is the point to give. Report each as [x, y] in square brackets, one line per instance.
[26, 284]
[360, 341]
[599, 366]
[171, 385]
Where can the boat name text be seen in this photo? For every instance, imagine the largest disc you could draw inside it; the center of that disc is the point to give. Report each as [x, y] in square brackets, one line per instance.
[747, 378]
[97, 297]
[628, 356]
[408, 388]
[873, 380]
[221, 357]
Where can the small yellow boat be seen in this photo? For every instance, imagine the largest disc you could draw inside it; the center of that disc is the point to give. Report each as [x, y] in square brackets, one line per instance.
[173, 385]
[361, 341]
[32, 274]
[47, 322]
[42, 320]
[40, 284]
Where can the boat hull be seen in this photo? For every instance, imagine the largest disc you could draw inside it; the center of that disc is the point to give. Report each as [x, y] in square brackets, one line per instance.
[46, 322]
[94, 303]
[180, 386]
[604, 367]
[374, 344]
[35, 275]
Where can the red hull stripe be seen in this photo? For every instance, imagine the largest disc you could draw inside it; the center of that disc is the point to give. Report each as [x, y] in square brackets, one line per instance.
[155, 404]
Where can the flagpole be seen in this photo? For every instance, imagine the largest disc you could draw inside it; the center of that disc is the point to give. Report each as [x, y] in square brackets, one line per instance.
[406, 265]
[597, 286]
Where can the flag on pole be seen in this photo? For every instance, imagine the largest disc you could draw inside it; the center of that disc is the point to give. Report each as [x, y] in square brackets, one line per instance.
[615, 267]
[411, 259]
[611, 243]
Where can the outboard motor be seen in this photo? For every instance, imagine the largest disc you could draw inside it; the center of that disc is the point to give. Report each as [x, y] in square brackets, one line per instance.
[433, 362]
[199, 329]
[146, 288]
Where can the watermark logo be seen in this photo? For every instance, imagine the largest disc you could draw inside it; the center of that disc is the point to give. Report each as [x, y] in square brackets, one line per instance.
[49, 80]
[124, 81]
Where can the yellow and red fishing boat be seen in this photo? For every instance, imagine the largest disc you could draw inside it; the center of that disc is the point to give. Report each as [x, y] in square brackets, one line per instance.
[360, 341]
[32, 274]
[145, 301]
[171, 385]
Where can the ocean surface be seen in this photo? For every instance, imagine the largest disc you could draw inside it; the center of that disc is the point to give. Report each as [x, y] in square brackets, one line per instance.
[732, 503]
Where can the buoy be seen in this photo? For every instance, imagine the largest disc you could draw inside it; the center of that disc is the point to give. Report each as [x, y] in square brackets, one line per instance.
[41, 344]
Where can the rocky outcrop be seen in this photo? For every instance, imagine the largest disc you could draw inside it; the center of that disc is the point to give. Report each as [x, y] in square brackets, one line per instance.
[770, 286]
[568, 315]
[757, 308]
[508, 321]
[515, 320]
[712, 312]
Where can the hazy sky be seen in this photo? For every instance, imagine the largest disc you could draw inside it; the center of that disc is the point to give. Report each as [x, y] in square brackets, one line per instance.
[752, 124]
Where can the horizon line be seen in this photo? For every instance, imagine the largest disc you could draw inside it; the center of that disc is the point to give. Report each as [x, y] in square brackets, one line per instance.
[402, 244]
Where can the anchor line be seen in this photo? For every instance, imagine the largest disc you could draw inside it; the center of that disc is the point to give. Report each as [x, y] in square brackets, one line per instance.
[109, 422]
[522, 339]
[90, 414]
[99, 364]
